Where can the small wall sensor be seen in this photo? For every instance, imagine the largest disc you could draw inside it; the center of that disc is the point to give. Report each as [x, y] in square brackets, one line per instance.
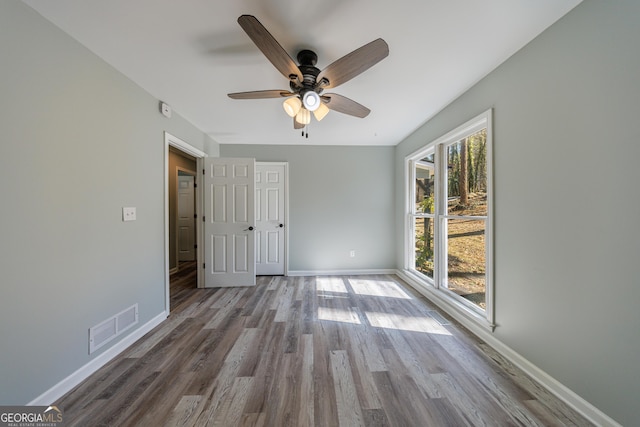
[165, 109]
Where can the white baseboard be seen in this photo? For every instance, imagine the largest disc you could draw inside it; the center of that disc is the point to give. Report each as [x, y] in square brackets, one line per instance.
[64, 386]
[561, 391]
[340, 272]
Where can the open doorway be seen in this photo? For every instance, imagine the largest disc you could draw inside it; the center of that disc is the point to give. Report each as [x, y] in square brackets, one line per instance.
[182, 208]
[183, 250]
[182, 224]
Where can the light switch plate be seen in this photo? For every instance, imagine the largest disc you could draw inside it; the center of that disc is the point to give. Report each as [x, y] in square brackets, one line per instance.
[128, 214]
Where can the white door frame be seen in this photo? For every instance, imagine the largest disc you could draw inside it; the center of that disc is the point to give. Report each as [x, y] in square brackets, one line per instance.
[173, 141]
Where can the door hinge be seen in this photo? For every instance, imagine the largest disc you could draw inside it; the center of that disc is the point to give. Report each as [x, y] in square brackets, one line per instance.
[195, 185]
[202, 218]
[203, 172]
[195, 216]
[203, 265]
[195, 246]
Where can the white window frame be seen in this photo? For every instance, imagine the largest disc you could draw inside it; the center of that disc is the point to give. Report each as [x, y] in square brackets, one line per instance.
[484, 317]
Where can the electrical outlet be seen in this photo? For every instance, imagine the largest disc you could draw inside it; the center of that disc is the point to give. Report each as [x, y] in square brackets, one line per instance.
[352, 254]
[128, 214]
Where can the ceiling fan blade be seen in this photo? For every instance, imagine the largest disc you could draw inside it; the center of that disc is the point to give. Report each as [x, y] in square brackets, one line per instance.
[354, 63]
[261, 94]
[344, 105]
[297, 124]
[269, 46]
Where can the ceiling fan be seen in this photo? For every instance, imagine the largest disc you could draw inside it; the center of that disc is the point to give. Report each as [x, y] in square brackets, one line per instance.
[306, 82]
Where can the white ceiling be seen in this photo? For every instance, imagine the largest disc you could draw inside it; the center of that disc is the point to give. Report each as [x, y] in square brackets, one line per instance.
[191, 53]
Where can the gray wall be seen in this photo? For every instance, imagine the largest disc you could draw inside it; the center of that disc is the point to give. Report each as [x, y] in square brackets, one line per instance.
[340, 199]
[567, 237]
[79, 142]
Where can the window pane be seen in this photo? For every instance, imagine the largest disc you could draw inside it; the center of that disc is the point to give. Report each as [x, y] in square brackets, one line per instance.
[467, 175]
[466, 261]
[424, 245]
[424, 186]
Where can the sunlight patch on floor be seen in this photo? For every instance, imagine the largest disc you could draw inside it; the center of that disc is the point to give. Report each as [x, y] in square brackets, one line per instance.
[338, 315]
[378, 288]
[406, 323]
[331, 284]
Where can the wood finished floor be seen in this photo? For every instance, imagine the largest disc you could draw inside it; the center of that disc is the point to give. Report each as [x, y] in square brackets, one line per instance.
[310, 351]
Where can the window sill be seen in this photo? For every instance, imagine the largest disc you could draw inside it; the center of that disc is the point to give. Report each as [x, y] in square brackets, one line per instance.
[469, 317]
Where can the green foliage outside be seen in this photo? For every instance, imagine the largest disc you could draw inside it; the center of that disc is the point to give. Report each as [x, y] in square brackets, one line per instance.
[424, 240]
[466, 191]
[476, 164]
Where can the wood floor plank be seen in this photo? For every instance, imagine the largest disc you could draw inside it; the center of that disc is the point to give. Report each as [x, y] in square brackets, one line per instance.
[223, 382]
[184, 411]
[253, 420]
[394, 408]
[310, 351]
[349, 408]
[83, 395]
[325, 410]
[230, 412]
[306, 410]
[365, 341]
[402, 357]
[363, 380]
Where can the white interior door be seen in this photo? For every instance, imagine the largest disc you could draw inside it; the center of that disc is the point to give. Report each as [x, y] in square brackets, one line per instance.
[229, 217]
[186, 222]
[270, 218]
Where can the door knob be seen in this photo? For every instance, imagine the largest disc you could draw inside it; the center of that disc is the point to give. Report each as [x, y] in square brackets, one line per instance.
[250, 228]
[281, 225]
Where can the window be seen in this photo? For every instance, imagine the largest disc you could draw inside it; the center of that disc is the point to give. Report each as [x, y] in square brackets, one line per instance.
[449, 216]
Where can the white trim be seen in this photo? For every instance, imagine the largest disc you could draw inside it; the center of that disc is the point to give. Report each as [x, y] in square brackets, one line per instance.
[68, 383]
[471, 126]
[481, 121]
[173, 141]
[489, 236]
[341, 272]
[480, 329]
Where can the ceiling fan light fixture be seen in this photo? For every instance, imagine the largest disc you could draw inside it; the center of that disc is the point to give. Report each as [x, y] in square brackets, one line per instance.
[303, 116]
[322, 111]
[311, 100]
[292, 106]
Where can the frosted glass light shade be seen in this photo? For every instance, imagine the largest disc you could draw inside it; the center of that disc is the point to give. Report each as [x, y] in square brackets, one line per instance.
[311, 100]
[322, 111]
[303, 116]
[292, 106]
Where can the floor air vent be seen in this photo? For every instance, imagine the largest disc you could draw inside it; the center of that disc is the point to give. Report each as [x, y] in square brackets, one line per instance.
[104, 332]
[439, 318]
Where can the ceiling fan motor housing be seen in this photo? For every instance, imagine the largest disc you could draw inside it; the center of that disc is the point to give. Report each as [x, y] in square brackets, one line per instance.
[307, 60]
